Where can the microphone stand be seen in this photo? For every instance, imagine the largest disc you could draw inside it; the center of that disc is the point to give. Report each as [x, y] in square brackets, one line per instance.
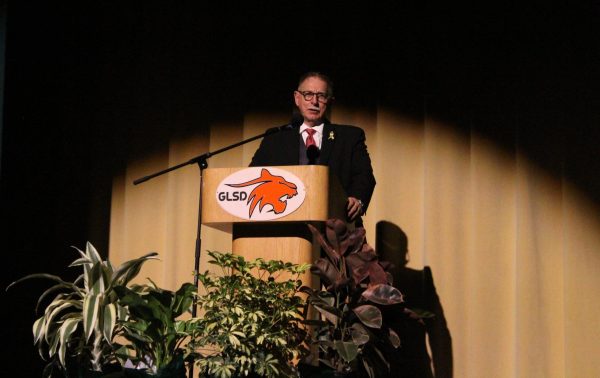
[201, 161]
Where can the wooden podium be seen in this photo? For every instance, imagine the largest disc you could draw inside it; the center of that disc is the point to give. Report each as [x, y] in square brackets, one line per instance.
[286, 237]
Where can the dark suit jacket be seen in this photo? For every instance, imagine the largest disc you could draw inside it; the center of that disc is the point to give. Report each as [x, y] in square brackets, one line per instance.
[343, 149]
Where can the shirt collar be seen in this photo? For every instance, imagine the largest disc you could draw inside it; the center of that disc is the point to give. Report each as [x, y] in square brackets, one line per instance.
[318, 129]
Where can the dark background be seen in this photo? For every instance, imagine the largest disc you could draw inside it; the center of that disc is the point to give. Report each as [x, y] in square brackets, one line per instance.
[89, 85]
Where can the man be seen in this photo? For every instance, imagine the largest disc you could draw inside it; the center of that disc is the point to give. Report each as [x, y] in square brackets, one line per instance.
[341, 147]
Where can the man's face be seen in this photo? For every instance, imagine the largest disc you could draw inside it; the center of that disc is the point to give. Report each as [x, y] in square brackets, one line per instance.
[312, 110]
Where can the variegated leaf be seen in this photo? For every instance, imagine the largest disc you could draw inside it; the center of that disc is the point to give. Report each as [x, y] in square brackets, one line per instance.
[37, 275]
[38, 329]
[97, 279]
[66, 330]
[92, 253]
[109, 267]
[86, 263]
[53, 342]
[81, 261]
[87, 277]
[83, 255]
[129, 269]
[57, 302]
[110, 320]
[49, 319]
[54, 288]
[91, 309]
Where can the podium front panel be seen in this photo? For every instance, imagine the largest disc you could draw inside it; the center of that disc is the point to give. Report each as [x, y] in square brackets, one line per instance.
[323, 197]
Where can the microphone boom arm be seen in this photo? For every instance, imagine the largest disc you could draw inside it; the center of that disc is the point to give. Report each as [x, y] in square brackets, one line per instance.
[201, 159]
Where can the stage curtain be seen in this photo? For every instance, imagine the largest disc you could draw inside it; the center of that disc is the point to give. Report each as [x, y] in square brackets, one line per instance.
[514, 250]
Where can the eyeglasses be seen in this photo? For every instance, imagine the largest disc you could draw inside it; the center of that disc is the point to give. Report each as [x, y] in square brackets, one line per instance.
[321, 97]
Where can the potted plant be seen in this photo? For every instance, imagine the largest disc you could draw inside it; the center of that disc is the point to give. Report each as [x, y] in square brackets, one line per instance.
[352, 334]
[251, 318]
[76, 330]
[154, 335]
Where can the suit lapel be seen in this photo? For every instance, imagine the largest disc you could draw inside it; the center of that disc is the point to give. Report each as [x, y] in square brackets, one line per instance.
[327, 142]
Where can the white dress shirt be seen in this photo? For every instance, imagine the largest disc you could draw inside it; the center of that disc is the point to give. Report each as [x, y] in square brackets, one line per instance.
[318, 136]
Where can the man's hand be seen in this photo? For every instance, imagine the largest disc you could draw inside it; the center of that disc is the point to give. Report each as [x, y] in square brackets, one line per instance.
[354, 208]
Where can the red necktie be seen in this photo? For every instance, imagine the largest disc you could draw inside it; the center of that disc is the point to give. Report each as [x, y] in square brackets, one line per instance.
[310, 141]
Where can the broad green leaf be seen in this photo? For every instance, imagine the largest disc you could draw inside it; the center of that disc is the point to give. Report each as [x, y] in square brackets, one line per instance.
[328, 315]
[383, 294]
[184, 297]
[359, 334]
[369, 315]
[326, 270]
[180, 326]
[331, 252]
[394, 338]
[346, 349]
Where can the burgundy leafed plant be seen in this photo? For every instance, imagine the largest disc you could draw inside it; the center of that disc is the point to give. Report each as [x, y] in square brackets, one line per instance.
[351, 332]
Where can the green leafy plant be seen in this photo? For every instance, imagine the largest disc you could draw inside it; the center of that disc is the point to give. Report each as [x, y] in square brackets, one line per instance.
[351, 332]
[80, 321]
[154, 334]
[251, 322]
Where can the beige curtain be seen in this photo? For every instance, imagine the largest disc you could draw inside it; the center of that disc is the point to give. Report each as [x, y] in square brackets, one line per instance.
[515, 252]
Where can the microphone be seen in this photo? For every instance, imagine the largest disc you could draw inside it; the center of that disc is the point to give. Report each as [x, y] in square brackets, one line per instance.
[312, 153]
[294, 123]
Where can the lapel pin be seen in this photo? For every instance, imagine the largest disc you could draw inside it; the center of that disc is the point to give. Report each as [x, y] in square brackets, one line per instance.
[331, 135]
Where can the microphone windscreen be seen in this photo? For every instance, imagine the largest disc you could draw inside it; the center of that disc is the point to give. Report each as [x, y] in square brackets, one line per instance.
[312, 153]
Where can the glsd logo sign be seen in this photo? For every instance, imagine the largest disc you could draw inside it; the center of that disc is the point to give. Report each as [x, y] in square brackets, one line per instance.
[261, 193]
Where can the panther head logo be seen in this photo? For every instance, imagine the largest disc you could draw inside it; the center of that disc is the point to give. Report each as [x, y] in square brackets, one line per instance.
[272, 190]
